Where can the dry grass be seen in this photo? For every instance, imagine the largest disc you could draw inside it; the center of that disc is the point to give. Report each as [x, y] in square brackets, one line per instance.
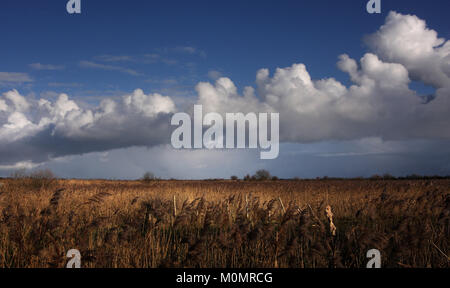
[225, 223]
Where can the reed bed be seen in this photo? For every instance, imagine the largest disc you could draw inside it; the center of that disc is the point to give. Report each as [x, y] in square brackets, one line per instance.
[215, 224]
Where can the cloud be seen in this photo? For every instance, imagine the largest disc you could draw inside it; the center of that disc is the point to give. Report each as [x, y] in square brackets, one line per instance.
[19, 166]
[190, 50]
[94, 65]
[169, 56]
[214, 74]
[365, 157]
[18, 101]
[39, 66]
[12, 78]
[3, 106]
[186, 49]
[153, 58]
[168, 82]
[59, 128]
[62, 84]
[379, 103]
[115, 58]
[405, 39]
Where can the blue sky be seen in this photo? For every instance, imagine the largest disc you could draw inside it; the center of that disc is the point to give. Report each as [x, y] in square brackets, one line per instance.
[168, 47]
[235, 37]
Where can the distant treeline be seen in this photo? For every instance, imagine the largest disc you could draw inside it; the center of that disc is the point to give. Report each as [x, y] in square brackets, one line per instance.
[260, 175]
[265, 175]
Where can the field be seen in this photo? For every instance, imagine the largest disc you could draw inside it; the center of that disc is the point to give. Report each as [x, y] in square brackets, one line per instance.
[225, 223]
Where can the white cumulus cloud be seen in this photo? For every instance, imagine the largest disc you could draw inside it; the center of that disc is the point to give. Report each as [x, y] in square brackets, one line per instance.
[405, 39]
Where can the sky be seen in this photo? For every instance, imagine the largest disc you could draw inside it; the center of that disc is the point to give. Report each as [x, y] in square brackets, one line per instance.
[92, 95]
